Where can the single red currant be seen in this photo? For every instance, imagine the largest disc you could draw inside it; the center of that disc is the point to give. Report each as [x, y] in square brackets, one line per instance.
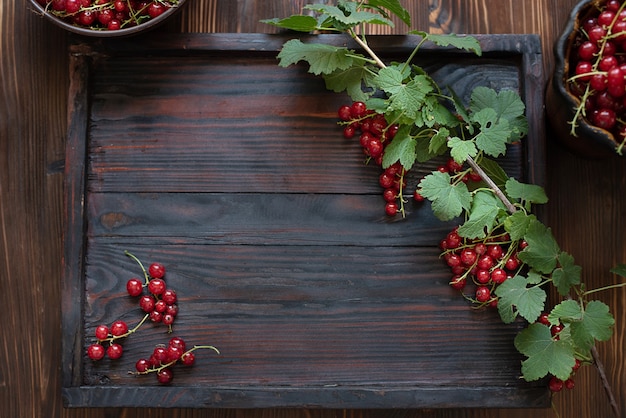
[483, 294]
[142, 365]
[95, 351]
[115, 351]
[156, 270]
[102, 332]
[119, 328]
[156, 286]
[134, 287]
[165, 376]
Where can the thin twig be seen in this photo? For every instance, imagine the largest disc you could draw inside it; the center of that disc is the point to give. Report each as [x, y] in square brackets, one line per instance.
[511, 208]
[605, 381]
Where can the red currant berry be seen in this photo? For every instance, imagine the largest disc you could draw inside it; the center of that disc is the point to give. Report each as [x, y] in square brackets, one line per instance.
[156, 316]
[485, 262]
[458, 282]
[453, 240]
[555, 384]
[159, 355]
[134, 287]
[577, 365]
[417, 196]
[188, 359]
[386, 181]
[173, 354]
[512, 263]
[349, 132]
[391, 208]
[468, 256]
[390, 195]
[177, 342]
[160, 306]
[142, 365]
[543, 319]
[156, 270]
[118, 328]
[165, 376]
[146, 303]
[156, 286]
[358, 110]
[453, 260]
[498, 275]
[344, 113]
[168, 319]
[115, 351]
[95, 352]
[569, 383]
[171, 310]
[102, 332]
[483, 294]
[483, 276]
[495, 251]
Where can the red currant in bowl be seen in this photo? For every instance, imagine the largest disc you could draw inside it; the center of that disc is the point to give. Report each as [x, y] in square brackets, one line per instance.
[584, 94]
[106, 18]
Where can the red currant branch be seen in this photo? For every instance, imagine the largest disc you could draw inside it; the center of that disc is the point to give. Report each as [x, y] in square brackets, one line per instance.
[143, 269]
[114, 337]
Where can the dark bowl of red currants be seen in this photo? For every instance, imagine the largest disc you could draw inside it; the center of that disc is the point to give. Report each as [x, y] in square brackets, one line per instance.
[107, 18]
[586, 94]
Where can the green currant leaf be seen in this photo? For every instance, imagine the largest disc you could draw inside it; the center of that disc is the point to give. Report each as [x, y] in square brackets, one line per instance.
[508, 106]
[322, 58]
[439, 142]
[526, 193]
[542, 251]
[394, 7]
[494, 171]
[620, 270]
[545, 355]
[517, 223]
[435, 113]
[448, 201]
[567, 275]
[299, 23]
[534, 277]
[514, 296]
[485, 209]
[460, 149]
[407, 98]
[401, 148]
[348, 18]
[389, 79]
[566, 311]
[597, 324]
[467, 43]
[493, 134]
[350, 80]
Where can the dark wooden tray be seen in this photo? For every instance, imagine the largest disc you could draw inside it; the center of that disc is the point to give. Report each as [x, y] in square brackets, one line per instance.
[199, 152]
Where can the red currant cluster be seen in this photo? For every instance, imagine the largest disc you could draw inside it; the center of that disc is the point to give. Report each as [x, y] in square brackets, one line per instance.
[598, 66]
[160, 301]
[106, 14]
[159, 306]
[163, 358]
[485, 263]
[374, 135]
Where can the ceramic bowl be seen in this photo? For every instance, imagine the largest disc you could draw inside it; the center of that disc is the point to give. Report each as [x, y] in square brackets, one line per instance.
[589, 141]
[97, 29]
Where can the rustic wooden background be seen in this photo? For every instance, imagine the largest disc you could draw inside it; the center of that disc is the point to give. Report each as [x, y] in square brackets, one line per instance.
[587, 210]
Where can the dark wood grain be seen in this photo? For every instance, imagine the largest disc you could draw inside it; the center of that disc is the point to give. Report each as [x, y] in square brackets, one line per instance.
[198, 152]
[586, 209]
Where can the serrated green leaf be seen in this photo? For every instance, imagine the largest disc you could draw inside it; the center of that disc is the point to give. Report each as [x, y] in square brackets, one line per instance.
[322, 58]
[349, 80]
[526, 193]
[514, 295]
[566, 311]
[534, 277]
[465, 42]
[597, 324]
[485, 209]
[544, 354]
[349, 18]
[494, 171]
[401, 148]
[517, 223]
[493, 134]
[542, 251]
[567, 274]
[460, 149]
[435, 113]
[394, 7]
[438, 142]
[448, 201]
[409, 98]
[299, 23]
[620, 270]
[389, 80]
[508, 106]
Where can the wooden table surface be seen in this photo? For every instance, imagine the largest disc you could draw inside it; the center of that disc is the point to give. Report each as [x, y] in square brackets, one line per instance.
[587, 208]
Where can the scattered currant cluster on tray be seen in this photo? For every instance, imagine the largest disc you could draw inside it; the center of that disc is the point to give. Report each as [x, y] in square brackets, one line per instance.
[598, 68]
[159, 305]
[106, 14]
[499, 246]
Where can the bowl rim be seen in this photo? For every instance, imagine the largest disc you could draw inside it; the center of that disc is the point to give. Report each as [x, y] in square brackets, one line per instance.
[562, 49]
[40, 10]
